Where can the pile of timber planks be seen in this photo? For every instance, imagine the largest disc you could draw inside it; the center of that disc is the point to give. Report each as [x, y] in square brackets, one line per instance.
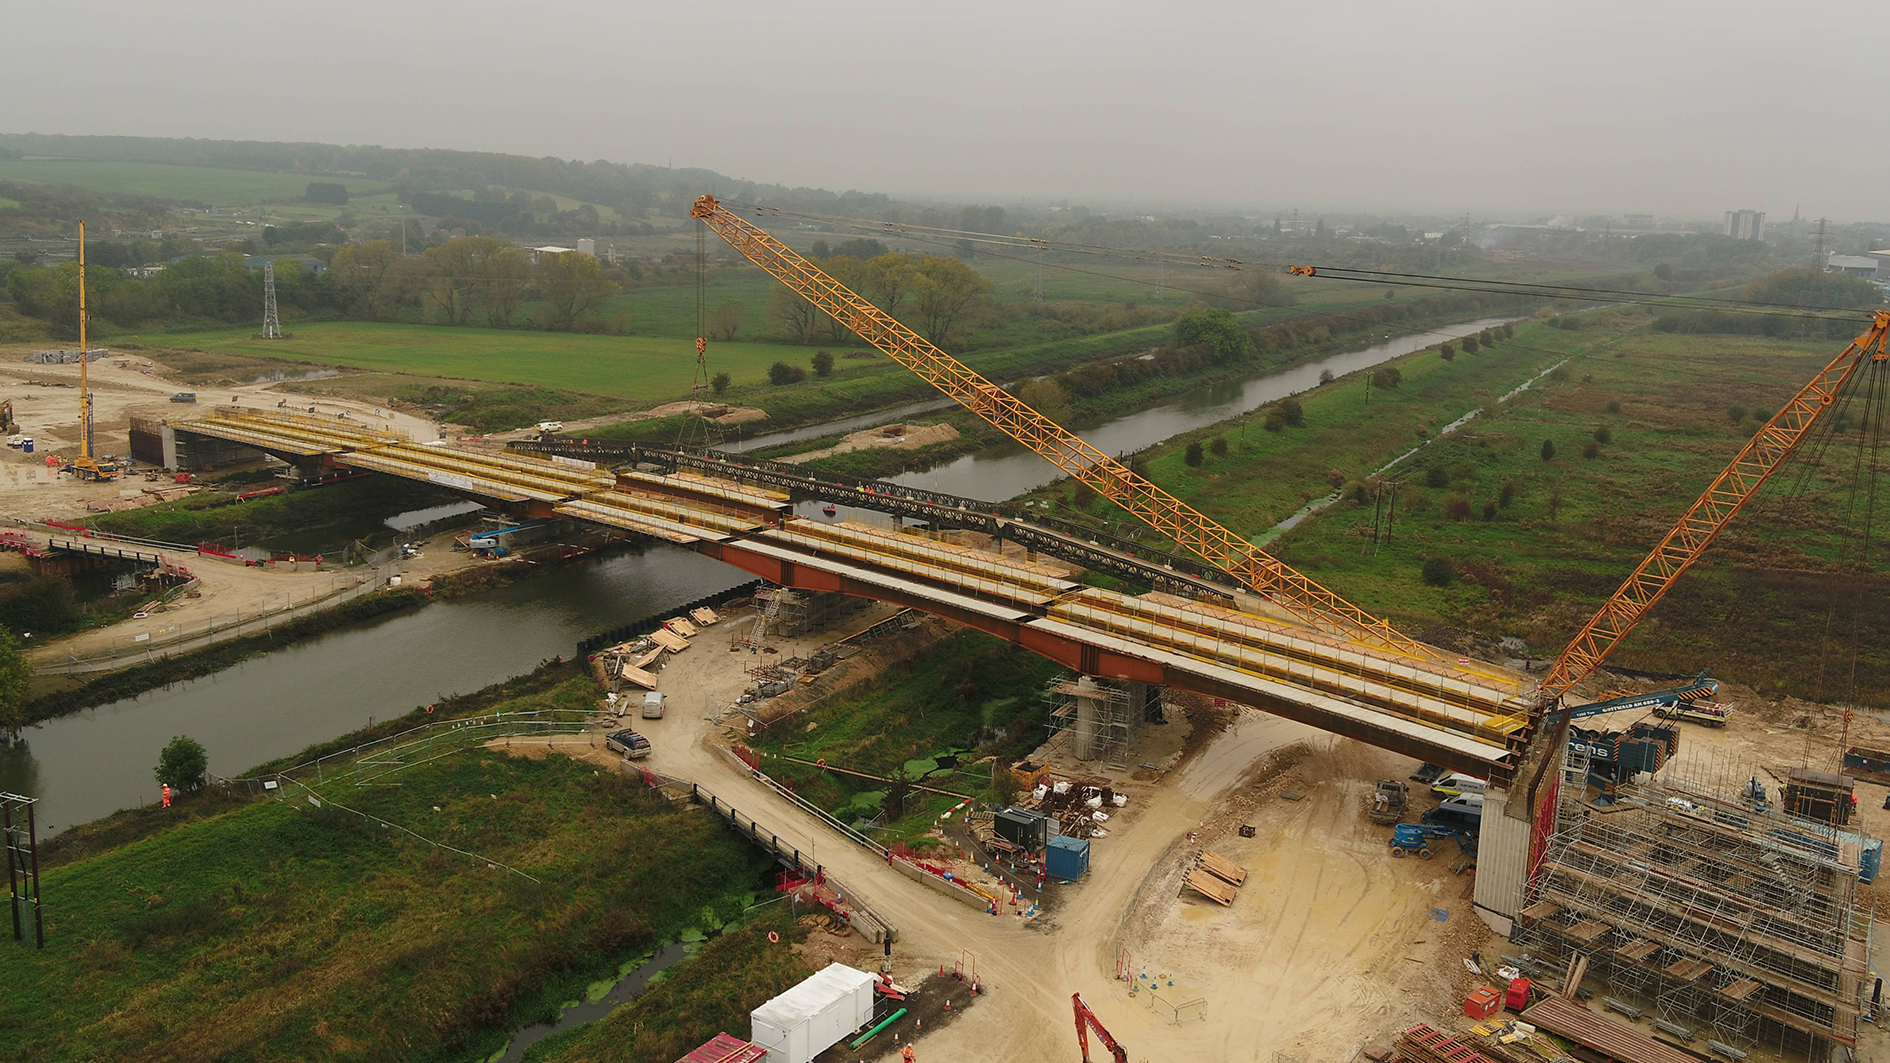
[1215, 877]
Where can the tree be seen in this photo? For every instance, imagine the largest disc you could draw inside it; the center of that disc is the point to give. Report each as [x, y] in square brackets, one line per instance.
[945, 289]
[326, 192]
[1387, 376]
[1507, 495]
[888, 278]
[182, 763]
[1447, 352]
[1438, 572]
[1735, 413]
[1215, 329]
[361, 275]
[822, 363]
[1591, 450]
[1489, 512]
[782, 373]
[1602, 435]
[797, 317]
[1218, 446]
[1193, 454]
[1485, 339]
[501, 275]
[1614, 405]
[452, 269]
[1548, 450]
[1469, 345]
[1325, 376]
[1507, 330]
[573, 286]
[15, 672]
[725, 320]
[1290, 409]
[719, 383]
[1047, 397]
[1437, 476]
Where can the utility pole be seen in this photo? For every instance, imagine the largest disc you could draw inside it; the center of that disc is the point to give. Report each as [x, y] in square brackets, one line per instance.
[272, 326]
[1817, 261]
[1039, 296]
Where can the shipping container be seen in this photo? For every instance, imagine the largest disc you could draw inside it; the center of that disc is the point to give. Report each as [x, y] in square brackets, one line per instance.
[1066, 858]
[1022, 827]
[814, 1015]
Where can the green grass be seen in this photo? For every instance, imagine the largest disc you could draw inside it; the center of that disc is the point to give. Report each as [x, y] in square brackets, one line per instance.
[969, 691]
[1777, 602]
[714, 991]
[326, 516]
[278, 931]
[224, 188]
[640, 369]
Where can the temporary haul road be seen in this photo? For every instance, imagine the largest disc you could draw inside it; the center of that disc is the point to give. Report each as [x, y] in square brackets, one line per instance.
[1471, 718]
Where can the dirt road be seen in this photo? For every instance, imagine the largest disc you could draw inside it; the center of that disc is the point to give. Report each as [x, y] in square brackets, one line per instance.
[1306, 958]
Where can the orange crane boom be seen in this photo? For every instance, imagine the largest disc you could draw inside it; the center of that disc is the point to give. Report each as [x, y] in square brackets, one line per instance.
[1115, 481]
[1735, 486]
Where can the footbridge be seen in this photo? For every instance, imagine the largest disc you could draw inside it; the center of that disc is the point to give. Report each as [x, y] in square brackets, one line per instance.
[1468, 717]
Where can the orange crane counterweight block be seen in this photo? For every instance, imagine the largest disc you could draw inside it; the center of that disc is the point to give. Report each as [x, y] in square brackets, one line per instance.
[1110, 478]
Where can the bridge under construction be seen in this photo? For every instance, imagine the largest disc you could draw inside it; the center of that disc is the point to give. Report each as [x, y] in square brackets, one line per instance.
[1466, 716]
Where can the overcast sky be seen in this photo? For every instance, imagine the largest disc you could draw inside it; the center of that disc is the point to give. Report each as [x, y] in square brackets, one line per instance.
[1578, 106]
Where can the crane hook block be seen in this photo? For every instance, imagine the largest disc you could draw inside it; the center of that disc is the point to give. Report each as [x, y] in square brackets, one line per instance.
[1303, 271]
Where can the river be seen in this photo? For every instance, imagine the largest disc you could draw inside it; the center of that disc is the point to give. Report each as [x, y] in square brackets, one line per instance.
[91, 763]
[94, 762]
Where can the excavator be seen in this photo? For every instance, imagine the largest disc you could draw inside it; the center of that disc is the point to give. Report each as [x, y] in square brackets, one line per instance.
[1272, 578]
[1086, 1021]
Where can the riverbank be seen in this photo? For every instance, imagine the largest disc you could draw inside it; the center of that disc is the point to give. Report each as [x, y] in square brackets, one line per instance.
[282, 930]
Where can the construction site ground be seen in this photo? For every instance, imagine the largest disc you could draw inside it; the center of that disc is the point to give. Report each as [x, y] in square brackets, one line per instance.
[1330, 944]
[31, 491]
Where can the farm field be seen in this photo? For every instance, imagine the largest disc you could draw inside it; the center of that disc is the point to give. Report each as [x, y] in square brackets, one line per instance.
[223, 188]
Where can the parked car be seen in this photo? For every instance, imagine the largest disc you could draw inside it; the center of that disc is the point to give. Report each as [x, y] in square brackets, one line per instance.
[188, 396]
[632, 745]
[652, 705]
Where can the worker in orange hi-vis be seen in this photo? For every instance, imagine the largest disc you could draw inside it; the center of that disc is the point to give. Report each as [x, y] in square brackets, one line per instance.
[906, 1054]
[167, 795]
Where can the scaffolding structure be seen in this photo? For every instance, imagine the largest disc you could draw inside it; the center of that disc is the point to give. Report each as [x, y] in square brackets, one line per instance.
[1744, 925]
[19, 832]
[1100, 718]
[789, 613]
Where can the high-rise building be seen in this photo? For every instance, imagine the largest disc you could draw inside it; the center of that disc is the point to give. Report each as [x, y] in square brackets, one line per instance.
[1745, 224]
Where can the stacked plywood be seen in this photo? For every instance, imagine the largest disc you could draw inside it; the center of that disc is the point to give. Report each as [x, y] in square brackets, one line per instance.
[1222, 868]
[1210, 887]
[704, 616]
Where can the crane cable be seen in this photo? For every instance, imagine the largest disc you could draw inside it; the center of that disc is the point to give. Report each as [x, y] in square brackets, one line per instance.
[1537, 289]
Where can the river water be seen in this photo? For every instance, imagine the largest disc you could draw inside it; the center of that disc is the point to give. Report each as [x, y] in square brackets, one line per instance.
[91, 763]
[94, 762]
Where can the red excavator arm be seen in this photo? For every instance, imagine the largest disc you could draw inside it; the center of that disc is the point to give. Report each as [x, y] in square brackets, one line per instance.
[1085, 1019]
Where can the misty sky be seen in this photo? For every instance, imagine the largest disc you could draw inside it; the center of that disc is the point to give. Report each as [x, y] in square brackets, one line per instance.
[1573, 107]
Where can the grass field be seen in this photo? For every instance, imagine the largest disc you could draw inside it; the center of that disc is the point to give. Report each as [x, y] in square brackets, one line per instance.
[279, 931]
[223, 188]
[642, 369]
[1779, 595]
[951, 698]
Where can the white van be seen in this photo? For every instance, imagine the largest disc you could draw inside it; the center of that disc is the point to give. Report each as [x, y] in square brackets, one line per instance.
[652, 705]
[1458, 783]
[1465, 810]
[551, 426]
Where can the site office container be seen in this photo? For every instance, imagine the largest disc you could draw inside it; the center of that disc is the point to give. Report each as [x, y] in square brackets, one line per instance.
[1023, 827]
[1066, 858]
[814, 1015]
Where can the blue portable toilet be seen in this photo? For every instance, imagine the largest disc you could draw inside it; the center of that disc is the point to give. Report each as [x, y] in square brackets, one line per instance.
[26, 446]
[1066, 858]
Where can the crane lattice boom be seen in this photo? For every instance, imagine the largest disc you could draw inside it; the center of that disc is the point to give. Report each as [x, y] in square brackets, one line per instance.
[1682, 546]
[1108, 477]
